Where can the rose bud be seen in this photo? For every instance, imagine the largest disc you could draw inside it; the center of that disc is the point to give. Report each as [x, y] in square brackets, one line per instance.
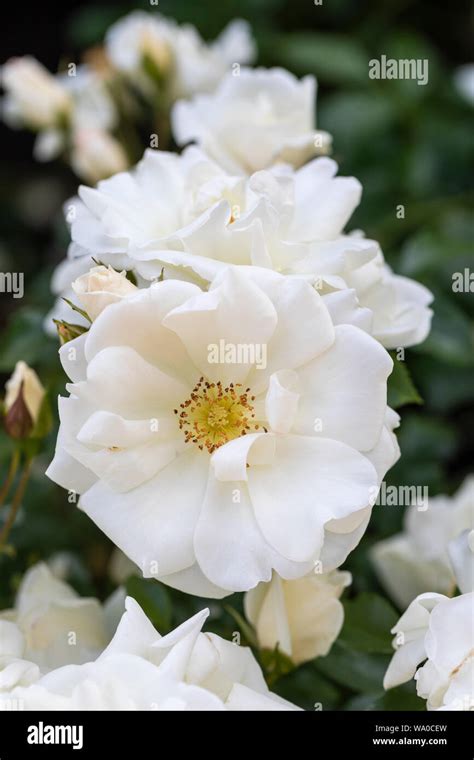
[23, 400]
[100, 287]
[67, 331]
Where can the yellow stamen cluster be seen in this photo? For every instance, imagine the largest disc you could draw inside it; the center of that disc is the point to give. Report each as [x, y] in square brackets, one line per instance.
[214, 415]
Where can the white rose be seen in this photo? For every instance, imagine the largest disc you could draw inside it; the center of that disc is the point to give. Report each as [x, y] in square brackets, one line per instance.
[210, 489]
[34, 97]
[51, 626]
[418, 558]
[94, 107]
[187, 214]
[137, 38]
[24, 382]
[461, 556]
[96, 154]
[438, 630]
[68, 270]
[139, 670]
[199, 67]
[100, 287]
[303, 617]
[464, 82]
[150, 48]
[254, 120]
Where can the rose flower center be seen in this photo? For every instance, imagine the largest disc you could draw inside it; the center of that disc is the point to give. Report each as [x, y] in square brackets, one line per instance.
[214, 414]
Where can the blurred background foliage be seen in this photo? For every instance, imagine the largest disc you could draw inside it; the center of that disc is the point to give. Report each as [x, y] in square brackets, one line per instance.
[408, 144]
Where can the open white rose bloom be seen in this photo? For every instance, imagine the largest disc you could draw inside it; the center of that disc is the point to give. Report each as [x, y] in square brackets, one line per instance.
[50, 626]
[423, 556]
[438, 632]
[187, 214]
[218, 435]
[253, 120]
[140, 670]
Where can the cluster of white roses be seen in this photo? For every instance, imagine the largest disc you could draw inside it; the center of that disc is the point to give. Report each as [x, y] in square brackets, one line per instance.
[429, 553]
[435, 552]
[48, 642]
[211, 474]
[227, 422]
[79, 112]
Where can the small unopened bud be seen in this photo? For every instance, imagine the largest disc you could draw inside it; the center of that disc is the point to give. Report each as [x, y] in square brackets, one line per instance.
[23, 400]
[96, 154]
[18, 421]
[67, 332]
[100, 287]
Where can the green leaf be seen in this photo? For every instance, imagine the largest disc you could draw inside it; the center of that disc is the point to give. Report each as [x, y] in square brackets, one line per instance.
[24, 338]
[443, 389]
[154, 600]
[368, 620]
[437, 252]
[88, 25]
[401, 389]
[401, 698]
[452, 334]
[356, 119]
[357, 671]
[334, 58]
[407, 45]
[308, 689]
[76, 308]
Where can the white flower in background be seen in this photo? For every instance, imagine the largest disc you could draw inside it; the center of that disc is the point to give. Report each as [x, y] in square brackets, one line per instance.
[303, 617]
[461, 556]
[199, 67]
[418, 559]
[34, 97]
[25, 384]
[139, 45]
[439, 632]
[93, 109]
[96, 154]
[154, 50]
[209, 471]
[100, 287]
[65, 109]
[140, 670]
[94, 106]
[186, 213]
[464, 82]
[51, 626]
[254, 120]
